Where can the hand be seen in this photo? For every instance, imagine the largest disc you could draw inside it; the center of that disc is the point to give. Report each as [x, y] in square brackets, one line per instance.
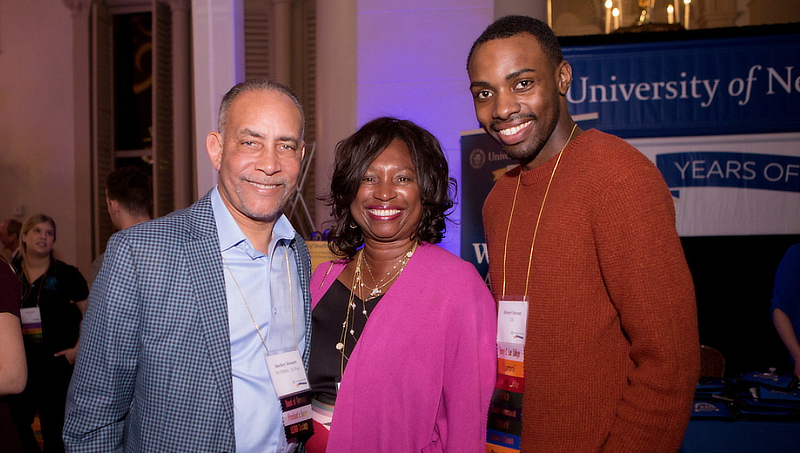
[70, 354]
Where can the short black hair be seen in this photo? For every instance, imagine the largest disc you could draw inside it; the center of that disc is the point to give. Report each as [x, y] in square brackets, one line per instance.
[257, 85]
[131, 187]
[509, 26]
[354, 155]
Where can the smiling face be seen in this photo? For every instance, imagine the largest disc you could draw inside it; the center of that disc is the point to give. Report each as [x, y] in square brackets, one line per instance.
[258, 156]
[39, 239]
[518, 94]
[388, 206]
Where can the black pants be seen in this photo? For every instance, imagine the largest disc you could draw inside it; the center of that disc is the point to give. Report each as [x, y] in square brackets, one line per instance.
[45, 393]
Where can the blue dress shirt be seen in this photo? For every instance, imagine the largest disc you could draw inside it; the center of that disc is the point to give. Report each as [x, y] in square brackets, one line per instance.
[276, 305]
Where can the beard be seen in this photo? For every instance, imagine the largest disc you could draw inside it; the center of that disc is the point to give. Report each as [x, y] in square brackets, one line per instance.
[261, 214]
[528, 150]
[258, 208]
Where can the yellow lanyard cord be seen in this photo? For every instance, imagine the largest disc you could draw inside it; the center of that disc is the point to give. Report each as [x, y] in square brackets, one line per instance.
[538, 218]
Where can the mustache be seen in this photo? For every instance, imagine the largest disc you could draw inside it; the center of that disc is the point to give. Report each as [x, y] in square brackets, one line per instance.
[515, 117]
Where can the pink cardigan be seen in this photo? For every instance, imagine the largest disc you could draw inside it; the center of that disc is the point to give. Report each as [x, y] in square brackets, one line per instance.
[422, 374]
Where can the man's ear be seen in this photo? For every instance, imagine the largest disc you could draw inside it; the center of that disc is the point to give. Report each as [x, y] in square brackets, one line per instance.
[564, 77]
[113, 206]
[214, 148]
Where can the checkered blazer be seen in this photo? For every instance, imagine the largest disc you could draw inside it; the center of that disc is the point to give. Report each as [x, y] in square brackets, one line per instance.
[153, 372]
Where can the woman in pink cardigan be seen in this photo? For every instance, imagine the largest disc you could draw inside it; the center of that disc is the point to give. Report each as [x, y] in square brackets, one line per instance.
[403, 341]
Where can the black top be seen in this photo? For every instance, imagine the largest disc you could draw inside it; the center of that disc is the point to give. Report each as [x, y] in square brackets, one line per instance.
[326, 325]
[54, 292]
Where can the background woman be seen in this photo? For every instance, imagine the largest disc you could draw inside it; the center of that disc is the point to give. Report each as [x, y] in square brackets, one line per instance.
[407, 327]
[53, 302]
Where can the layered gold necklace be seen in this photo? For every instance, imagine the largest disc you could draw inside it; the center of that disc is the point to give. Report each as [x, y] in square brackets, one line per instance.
[359, 285]
[388, 278]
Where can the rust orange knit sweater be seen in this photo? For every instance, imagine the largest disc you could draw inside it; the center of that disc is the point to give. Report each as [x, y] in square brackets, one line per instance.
[612, 352]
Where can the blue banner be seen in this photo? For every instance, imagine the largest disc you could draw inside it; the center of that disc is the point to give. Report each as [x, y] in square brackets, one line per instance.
[482, 163]
[684, 88]
[726, 169]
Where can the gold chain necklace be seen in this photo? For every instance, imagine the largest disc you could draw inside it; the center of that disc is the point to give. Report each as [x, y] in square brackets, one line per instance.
[349, 319]
[376, 291]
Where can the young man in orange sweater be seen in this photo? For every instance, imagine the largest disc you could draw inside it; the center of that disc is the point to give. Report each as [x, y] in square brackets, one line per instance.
[584, 232]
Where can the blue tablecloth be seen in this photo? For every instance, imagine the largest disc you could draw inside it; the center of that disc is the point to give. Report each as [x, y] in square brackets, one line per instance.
[707, 436]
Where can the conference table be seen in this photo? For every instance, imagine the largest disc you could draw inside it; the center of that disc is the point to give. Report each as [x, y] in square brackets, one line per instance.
[742, 436]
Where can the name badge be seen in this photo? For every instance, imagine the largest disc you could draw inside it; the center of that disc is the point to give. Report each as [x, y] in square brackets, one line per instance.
[31, 320]
[512, 320]
[287, 373]
[291, 385]
[504, 431]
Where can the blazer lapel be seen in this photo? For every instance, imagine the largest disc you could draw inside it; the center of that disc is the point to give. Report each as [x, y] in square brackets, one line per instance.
[303, 260]
[205, 269]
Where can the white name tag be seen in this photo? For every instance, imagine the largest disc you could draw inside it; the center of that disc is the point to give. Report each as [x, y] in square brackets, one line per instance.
[512, 321]
[30, 315]
[287, 373]
[31, 320]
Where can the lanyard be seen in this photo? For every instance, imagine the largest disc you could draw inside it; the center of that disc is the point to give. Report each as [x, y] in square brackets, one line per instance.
[538, 218]
[291, 299]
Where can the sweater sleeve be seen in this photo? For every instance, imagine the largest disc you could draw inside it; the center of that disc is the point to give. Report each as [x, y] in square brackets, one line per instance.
[470, 368]
[9, 294]
[649, 283]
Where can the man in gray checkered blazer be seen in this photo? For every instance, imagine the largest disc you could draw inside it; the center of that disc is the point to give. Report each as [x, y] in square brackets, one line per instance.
[187, 307]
